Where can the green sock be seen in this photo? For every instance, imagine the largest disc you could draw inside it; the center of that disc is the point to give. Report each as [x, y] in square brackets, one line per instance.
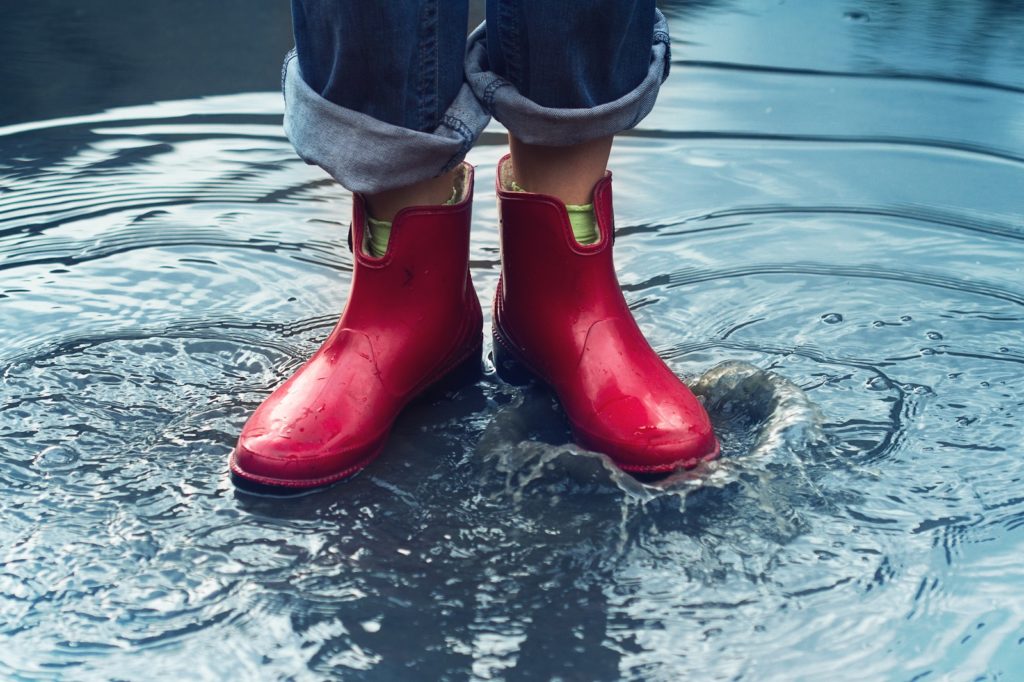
[581, 218]
[378, 232]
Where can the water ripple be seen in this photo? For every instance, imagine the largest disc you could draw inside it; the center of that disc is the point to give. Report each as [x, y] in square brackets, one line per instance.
[843, 292]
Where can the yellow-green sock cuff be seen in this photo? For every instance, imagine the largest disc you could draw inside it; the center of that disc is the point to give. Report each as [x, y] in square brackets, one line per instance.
[378, 232]
[583, 222]
[581, 219]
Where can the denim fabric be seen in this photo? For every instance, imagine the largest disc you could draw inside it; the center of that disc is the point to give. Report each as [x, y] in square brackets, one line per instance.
[399, 61]
[367, 155]
[385, 94]
[528, 120]
[570, 54]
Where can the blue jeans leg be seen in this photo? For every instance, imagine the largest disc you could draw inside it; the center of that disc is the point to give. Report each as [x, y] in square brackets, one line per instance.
[374, 91]
[577, 54]
[399, 61]
[561, 72]
[385, 94]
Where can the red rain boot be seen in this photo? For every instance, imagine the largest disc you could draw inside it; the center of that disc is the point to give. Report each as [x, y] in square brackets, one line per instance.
[412, 317]
[560, 314]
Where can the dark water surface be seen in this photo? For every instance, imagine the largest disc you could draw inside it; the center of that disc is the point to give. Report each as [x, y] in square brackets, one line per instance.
[820, 225]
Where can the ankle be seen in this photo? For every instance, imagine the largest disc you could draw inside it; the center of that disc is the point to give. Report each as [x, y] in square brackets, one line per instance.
[568, 173]
[385, 205]
[378, 229]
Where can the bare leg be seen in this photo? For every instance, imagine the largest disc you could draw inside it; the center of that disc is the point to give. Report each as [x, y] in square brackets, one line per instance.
[568, 173]
[384, 205]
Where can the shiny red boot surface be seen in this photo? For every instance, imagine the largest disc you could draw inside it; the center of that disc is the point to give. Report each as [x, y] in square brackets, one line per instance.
[412, 317]
[560, 313]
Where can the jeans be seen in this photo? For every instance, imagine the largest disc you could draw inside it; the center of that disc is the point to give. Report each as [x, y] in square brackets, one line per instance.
[385, 94]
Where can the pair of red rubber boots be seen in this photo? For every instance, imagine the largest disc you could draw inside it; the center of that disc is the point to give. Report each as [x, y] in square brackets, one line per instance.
[413, 317]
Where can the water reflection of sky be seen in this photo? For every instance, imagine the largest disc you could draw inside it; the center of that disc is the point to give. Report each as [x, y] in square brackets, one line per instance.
[966, 40]
[59, 59]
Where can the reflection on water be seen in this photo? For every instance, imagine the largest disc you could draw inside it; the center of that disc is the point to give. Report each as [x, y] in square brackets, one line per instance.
[968, 40]
[978, 40]
[60, 58]
[830, 254]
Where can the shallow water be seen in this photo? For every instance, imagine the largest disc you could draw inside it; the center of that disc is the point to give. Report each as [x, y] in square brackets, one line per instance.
[821, 229]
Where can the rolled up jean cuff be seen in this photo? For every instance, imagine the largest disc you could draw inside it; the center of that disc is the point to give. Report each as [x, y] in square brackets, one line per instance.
[367, 155]
[534, 124]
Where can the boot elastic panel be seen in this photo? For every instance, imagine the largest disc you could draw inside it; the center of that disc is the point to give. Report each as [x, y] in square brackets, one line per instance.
[582, 218]
[378, 232]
